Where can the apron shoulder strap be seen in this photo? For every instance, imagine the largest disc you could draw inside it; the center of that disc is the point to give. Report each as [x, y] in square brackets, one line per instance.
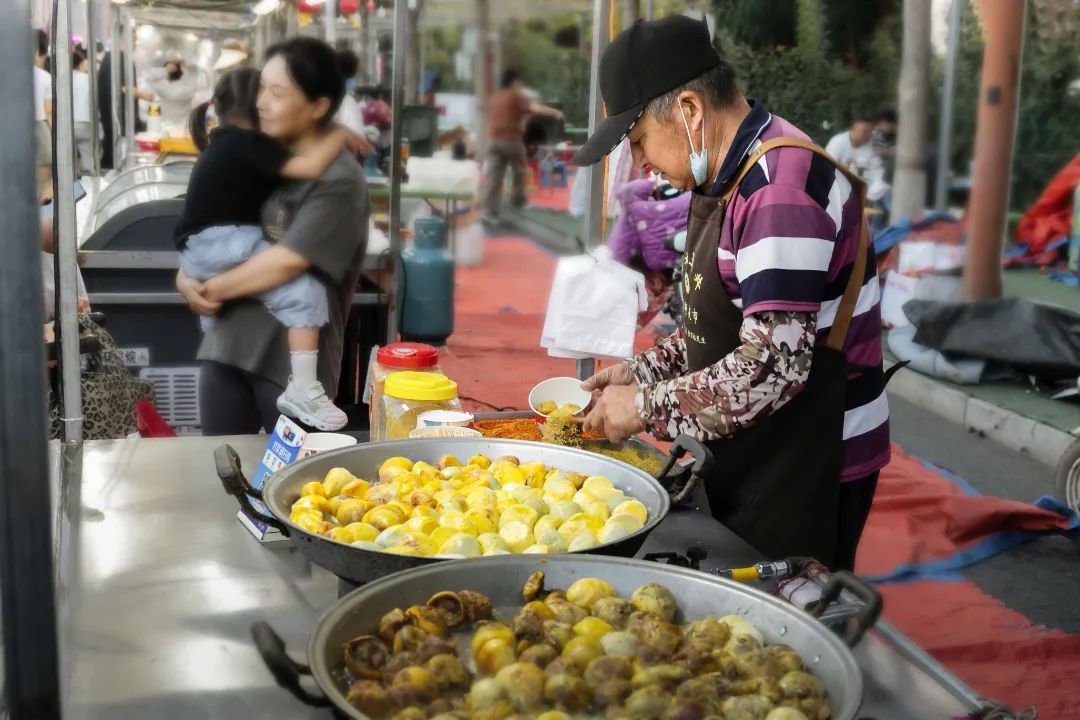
[839, 329]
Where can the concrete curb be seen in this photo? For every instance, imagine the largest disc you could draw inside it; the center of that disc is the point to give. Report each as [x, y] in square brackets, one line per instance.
[1042, 442]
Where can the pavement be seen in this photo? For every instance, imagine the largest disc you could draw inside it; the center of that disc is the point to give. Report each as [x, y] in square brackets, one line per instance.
[1041, 579]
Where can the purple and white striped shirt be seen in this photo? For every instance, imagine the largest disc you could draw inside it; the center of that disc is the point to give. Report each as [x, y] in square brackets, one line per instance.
[788, 243]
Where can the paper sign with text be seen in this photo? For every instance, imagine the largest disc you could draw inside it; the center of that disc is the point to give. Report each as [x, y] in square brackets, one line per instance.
[282, 448]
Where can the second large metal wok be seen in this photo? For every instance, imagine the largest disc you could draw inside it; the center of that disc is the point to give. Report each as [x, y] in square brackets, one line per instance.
[501, 578]
[358, 565]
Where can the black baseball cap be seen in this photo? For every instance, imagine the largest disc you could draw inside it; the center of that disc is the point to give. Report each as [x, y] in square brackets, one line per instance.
[645, 61]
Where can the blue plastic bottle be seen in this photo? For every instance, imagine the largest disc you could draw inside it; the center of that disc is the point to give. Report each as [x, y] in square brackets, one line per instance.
[427, 285]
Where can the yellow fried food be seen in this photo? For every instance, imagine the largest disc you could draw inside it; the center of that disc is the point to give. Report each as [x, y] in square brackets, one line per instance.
[547, 407]
[313, 524]
[355, 488]
[517, 535]
[630, 523]
[312, 502]
[422, 524]
[441, 534]
[483, 520]
[384, 516]
[585, 540]
[465, 509]
[491, 543]
[461, 544]
[335, 480]
[545, 524]
[564, 410]
[559, 487]
[362, 531]
[586, 591]
[564, 510]
[519, 513]
[632, 507]
[352, 510]
[593, 627]
[481, 461]
[343, 535]
[312, 488]
[397, 462]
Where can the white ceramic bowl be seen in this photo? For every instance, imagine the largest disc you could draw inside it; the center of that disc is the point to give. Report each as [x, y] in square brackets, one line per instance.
[318, 442]
[561, 390]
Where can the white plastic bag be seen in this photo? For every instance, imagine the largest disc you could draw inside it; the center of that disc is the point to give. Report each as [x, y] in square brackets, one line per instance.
[593, 308]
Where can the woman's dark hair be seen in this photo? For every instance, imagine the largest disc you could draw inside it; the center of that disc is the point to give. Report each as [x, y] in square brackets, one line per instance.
[313, 67]
[41, 42]
[78, 57]
[235, 96]
[509, 78]
[349, 62]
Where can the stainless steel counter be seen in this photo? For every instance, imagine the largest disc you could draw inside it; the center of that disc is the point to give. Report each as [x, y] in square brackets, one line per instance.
[169, 583]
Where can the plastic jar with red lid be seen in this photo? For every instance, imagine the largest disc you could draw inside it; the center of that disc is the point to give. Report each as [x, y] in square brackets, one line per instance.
[392, 358]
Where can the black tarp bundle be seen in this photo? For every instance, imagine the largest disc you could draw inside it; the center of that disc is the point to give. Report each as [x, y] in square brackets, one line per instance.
[1034, 340]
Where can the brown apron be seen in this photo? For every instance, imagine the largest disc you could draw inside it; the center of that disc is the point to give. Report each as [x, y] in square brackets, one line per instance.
[776, 483]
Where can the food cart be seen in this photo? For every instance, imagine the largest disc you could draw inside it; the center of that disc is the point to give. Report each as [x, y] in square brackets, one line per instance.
[130, 588]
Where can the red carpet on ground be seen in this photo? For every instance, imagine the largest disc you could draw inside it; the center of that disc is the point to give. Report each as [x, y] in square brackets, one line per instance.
[918, 514]
[552, 198]
[921, 517]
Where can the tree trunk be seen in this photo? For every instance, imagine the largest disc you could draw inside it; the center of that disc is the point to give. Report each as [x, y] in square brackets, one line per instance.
[631, 12]
[909, 186]
[995, 134]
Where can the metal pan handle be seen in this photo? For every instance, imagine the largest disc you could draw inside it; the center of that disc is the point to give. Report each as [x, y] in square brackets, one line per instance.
[703, 464]
[232, 478]
[287, 672]
[864, 618]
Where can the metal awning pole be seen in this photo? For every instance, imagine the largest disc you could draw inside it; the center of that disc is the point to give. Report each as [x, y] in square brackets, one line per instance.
[131, 103]
[594, 209]
[948, 103]
[330, 22]
[397, 101]
[114, 82]
[481, 74]
[92, 68]
[66, 243]
[31, 665]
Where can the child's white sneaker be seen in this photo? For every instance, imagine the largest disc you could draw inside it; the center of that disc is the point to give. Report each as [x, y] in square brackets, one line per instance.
[311, 406]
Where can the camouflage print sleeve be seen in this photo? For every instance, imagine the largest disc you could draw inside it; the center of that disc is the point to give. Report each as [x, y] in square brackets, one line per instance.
[767, 370]
[666, 360]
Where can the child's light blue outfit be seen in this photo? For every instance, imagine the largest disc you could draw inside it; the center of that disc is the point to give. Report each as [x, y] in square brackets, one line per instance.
[299, 303]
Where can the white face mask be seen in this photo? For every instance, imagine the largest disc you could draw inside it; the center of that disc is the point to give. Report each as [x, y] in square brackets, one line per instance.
[699, 161]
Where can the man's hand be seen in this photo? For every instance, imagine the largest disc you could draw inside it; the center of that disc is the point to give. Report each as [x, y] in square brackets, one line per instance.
[619, 374]
[615, 413]
[83, 303]
[193, 292]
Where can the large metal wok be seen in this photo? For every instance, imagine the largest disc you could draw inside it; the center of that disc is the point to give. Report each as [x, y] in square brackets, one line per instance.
[358, 566]
[501, 578]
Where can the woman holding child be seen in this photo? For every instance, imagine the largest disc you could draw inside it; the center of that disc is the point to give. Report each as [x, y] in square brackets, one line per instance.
[272, 241]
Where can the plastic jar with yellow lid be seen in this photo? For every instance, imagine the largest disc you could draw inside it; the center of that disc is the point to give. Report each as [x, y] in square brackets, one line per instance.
[407, 395]
[390, 359]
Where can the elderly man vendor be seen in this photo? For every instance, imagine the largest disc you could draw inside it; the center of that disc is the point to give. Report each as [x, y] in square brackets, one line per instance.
[778, 365]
